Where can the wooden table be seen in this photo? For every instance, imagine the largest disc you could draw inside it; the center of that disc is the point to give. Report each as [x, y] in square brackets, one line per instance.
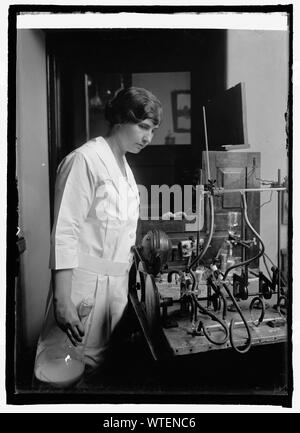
[183, 342]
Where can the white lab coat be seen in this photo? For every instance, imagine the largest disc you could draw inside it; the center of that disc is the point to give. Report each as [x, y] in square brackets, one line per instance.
[95, 220]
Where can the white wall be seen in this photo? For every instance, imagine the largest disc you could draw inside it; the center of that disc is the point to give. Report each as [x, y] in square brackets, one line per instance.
[33, 178]
[260, 60]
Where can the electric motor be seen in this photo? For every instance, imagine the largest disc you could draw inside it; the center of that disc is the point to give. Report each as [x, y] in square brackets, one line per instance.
[155, 249]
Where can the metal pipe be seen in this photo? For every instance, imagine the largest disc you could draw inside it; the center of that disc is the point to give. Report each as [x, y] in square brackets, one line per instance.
[224, 191]
[278, 236]
[206, 144]
[240, 323]
[243, 236]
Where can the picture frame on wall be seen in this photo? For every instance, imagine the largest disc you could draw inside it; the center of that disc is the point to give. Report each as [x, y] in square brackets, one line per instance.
[181, 108]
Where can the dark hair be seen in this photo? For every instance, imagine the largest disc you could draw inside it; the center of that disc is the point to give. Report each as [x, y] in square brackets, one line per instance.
[133, 104]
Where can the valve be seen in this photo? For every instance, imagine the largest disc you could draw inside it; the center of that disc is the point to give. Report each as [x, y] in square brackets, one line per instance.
[240, 286]
[216, 301]
[266, 287]
[266, 291]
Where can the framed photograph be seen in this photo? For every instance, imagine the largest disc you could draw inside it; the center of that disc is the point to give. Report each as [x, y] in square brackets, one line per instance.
[181, 107]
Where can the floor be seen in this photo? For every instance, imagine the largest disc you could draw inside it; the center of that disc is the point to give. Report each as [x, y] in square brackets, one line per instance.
[132, 376]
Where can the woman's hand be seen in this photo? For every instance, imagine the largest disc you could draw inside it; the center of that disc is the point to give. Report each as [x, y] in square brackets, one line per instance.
[65, 312]
[68, 320]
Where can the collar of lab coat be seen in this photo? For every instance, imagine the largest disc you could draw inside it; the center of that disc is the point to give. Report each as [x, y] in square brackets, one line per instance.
[106, 154]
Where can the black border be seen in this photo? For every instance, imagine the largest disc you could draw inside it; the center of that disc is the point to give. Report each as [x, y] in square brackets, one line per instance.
[12, 205]
[156, 9]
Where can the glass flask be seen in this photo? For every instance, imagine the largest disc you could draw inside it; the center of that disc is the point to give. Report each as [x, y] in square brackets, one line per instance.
[61, 364]
[232, 221]
[200, 275]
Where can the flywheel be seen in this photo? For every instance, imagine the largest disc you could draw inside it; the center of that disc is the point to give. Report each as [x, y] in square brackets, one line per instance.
[145, 300]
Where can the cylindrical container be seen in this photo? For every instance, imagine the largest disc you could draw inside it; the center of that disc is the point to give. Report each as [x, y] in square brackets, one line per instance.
[201, 282]
[232, 219]
[223, 262]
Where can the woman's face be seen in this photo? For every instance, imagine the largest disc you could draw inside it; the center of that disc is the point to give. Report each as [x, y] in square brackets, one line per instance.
[136, 136]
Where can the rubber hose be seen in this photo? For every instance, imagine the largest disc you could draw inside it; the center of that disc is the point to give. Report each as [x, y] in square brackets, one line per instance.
[263, 309]
[218, 343]
[211, 230]
[224, 305]
[249, 342]
[213, 317]
[281, 298]
[219, 292]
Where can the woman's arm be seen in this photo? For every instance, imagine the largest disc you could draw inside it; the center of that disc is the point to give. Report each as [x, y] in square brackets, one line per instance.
[74, 194]
[65, 312]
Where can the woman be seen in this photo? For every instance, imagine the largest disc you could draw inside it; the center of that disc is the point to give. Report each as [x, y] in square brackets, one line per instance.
[96, 212]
